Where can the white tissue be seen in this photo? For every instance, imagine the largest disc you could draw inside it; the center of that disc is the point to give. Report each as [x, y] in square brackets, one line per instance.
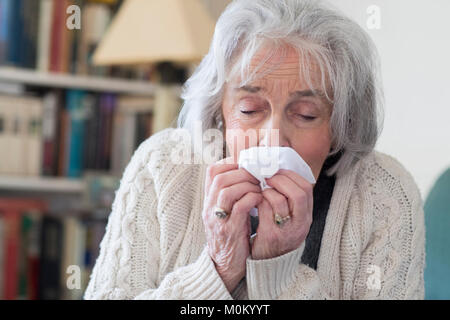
[264, 162]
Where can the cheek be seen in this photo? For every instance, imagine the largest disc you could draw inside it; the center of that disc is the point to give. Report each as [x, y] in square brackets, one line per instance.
[314, 148]
[238, 135]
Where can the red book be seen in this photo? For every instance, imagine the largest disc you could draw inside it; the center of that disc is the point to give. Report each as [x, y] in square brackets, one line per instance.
[11, 252]
[11, 211]
[58, 28]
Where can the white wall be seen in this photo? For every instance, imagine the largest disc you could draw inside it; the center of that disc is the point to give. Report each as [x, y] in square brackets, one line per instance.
[414, 46]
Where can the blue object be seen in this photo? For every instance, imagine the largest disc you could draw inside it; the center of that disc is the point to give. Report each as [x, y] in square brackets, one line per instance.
[437, 222]
[77, 112]
[5, 18]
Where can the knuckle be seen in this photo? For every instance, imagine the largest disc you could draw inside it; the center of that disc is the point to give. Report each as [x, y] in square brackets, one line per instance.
[222, 230]
[309, 189]
[218, 181]
[300, 197]
[210, 170]
[279, 201]
[237, 208]
[224, 198]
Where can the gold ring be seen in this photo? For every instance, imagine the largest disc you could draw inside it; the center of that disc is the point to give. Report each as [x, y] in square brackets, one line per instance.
[279, 220]
[220, 213]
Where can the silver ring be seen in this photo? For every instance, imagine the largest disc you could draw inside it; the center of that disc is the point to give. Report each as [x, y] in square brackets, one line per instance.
[220, 213]
[279, 220]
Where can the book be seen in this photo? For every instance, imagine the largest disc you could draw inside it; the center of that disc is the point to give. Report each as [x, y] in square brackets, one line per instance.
[29, 254]
[77, 114]
[108, 105]
[50, 258]
[5, 21]
[2, 256]
[58, 29]
[30, 11]
[21, 134]
[15, 33]
[11, 212]
[51, 103]
[11, 219]
[33, 140]
[92, 119]
[72, 256]
[44, 35]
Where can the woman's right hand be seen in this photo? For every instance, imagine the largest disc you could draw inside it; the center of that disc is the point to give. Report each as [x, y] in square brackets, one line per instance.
[237, 192]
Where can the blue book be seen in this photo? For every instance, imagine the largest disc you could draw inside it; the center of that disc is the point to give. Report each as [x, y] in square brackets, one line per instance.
[5, 18]
[75, 105]
[15, 33]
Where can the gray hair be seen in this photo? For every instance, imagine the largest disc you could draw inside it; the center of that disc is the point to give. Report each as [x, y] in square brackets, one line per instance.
[345, 54]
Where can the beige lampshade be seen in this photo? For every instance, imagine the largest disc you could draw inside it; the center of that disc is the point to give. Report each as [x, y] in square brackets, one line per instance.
[146, 31]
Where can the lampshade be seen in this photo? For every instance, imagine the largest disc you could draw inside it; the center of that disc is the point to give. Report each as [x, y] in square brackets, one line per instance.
[146, 31]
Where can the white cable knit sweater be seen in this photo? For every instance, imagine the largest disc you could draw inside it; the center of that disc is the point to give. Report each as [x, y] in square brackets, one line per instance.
[373, 245]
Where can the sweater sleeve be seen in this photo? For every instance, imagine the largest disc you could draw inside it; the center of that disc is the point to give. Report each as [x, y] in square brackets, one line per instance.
[386, 259]
[283, 277]
[130, 248]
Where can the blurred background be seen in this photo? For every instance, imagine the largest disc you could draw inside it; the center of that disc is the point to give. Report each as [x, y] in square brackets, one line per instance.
[84, 82]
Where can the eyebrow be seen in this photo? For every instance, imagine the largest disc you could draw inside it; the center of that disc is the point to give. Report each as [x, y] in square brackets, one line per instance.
[250, 89]
[295, 94]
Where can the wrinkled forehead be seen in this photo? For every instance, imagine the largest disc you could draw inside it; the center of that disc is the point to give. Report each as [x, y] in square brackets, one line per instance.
[281, 62]
[271, 62]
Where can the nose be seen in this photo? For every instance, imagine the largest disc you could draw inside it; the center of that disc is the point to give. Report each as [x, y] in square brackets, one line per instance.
[274, 133]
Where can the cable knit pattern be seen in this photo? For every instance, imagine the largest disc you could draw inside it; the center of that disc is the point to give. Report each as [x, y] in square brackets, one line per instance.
[155, 246]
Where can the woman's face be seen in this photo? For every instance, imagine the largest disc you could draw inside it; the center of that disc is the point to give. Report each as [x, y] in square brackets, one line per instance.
[283, 101]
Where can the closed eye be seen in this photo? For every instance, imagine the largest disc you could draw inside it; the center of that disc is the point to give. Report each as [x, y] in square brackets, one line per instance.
[308, 118]
[247, 112]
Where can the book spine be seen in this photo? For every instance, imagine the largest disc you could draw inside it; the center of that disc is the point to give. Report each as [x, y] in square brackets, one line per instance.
[109, 109]
[2, 256]
[44, 35]
[100, 132]
[51, 249]
[64, 137]
[57, 34]
[5, 16]
[15, 33]
[34, 138]
[50, 104]
[12, 245]
[31, 12]
[90, 127]
[77, 113]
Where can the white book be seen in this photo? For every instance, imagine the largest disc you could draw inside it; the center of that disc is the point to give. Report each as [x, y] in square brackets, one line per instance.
[3, 138]
[15, 137]
[34, 138]
[80, 250]
[44, 35]
[68, 249]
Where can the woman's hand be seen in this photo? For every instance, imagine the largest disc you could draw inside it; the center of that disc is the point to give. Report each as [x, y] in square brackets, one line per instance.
[291, 195]
[236, 192]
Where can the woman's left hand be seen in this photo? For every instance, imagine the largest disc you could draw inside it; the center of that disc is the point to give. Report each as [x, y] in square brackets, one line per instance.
[290, 195]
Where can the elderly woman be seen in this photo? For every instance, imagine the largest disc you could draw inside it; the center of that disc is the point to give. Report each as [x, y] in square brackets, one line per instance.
[182, 230]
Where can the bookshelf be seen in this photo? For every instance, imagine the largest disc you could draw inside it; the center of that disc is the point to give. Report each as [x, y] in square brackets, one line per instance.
[55, 105]
[55, 185]
[70, 81]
